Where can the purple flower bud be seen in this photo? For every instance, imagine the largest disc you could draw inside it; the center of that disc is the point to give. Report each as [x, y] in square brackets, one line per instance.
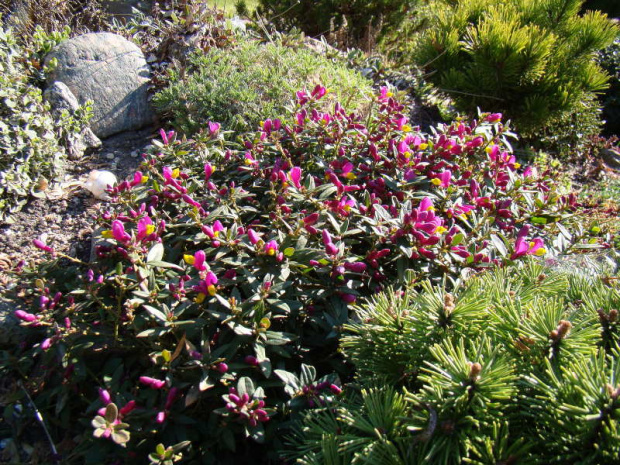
[335, 389]
[251, 360]
[222, 367]
[331, 249]
[25, 316]
[104, 396]
[41, 245]
[152, 382]
[161, 417]
[46, 344]
[253, 236]
[356, 267]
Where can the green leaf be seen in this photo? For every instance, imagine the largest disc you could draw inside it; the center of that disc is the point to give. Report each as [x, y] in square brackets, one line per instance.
[111, 412]
[457, 239]
[245, 385]
[289, 251]
[156, 253]
[161, 264]
[206, 383]
[288, 378]
[155, 312]
[499, 245]
[308, 374]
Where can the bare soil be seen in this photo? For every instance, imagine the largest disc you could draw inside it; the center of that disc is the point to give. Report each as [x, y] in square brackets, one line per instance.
[63, 216]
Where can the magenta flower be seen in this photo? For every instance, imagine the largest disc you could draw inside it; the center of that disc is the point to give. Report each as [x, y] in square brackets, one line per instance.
[302, 97]
[206, 287]
[318, 92]
[214, 128]
[213, 231]
[271, 247]
[197, 260]
[118, 232]
[209, 169]
[249, 159]
[494, 117]
[523, 247]
[166, 137]
[145, 228]
[443, 179]
[295, 176]
[138, 178]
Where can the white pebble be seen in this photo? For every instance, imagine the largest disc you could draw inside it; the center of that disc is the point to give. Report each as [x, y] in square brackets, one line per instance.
[98, 182]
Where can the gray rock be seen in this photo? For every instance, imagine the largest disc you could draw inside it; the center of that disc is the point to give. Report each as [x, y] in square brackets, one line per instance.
[61, 98]
[112, 72]
[611, 158]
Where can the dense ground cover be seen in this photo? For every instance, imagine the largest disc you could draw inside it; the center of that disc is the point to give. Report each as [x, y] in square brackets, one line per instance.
[228, 268]
[233, 265]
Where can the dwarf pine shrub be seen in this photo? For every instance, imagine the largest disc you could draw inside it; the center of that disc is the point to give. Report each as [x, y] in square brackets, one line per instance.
[516, 366]
[534, 61]
[226, 272]
[243, 86]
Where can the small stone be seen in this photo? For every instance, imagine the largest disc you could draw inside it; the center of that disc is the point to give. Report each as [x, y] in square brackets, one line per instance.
[110, 156]
[134, 154]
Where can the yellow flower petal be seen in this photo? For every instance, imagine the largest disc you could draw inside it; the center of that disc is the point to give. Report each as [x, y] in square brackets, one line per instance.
[200, 298]
[189, 259]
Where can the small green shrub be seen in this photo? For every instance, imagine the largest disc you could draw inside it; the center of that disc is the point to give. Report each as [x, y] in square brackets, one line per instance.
[534, 61]
[318, 17]
[31, 151]
[516, 366]
[243, 86]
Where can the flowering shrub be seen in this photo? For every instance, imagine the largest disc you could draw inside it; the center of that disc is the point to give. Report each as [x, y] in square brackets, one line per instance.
[225, 271]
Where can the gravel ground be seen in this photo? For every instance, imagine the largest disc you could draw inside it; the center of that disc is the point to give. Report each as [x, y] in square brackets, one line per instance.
[64, 219]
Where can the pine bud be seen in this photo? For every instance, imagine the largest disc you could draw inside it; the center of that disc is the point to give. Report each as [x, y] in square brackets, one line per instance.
[613, 315]
[448, 303]
[474, 371]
